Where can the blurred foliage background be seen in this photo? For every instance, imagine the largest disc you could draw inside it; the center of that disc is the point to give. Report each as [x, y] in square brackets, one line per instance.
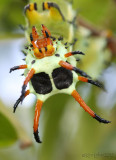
[67, 132]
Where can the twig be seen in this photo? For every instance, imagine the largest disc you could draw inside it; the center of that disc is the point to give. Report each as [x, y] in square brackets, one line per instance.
[111, 40]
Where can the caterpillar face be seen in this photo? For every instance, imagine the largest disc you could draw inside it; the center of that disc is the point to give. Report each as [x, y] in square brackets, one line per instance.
[42, 45]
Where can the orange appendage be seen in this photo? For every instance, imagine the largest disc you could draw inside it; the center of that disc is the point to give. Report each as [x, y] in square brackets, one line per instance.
[34, 34]
[83, 79]
[37, 114]
[45, 31]
[27, 93]
[29, 76]
[66, 65]
[23, 66]
[82, 103]
[43, 45]
[68, 54]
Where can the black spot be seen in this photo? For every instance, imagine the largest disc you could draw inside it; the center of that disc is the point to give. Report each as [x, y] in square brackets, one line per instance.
[33, 62]
[77, 59]
[62, 78]
[41, 83]
[40, 50]
[57, 55]
[47, 35]
[66, 47]
[46, 49]
[35, 6]
[29, 49]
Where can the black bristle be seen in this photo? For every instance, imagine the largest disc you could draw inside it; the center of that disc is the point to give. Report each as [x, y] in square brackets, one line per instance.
[24, 52]
[31, 45]
[65, 43]
[60, 38]
[53, 38]
[26, 47]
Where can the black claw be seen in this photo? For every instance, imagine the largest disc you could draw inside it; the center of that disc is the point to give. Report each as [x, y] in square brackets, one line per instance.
[101, 120]
[13, 68]
[16, 104]
[96, 83]
[20, 100]
[37, 138]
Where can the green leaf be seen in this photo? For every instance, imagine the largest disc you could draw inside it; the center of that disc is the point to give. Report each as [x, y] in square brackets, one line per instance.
[7, 132]
[11, 130]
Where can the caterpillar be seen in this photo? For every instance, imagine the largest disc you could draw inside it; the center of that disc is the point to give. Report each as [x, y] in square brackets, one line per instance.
[49, 71]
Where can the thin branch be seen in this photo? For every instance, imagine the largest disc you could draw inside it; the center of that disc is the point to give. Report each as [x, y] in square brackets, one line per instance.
[111, 40]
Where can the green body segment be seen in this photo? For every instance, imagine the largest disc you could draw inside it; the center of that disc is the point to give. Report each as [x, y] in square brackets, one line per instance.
[52, 20]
